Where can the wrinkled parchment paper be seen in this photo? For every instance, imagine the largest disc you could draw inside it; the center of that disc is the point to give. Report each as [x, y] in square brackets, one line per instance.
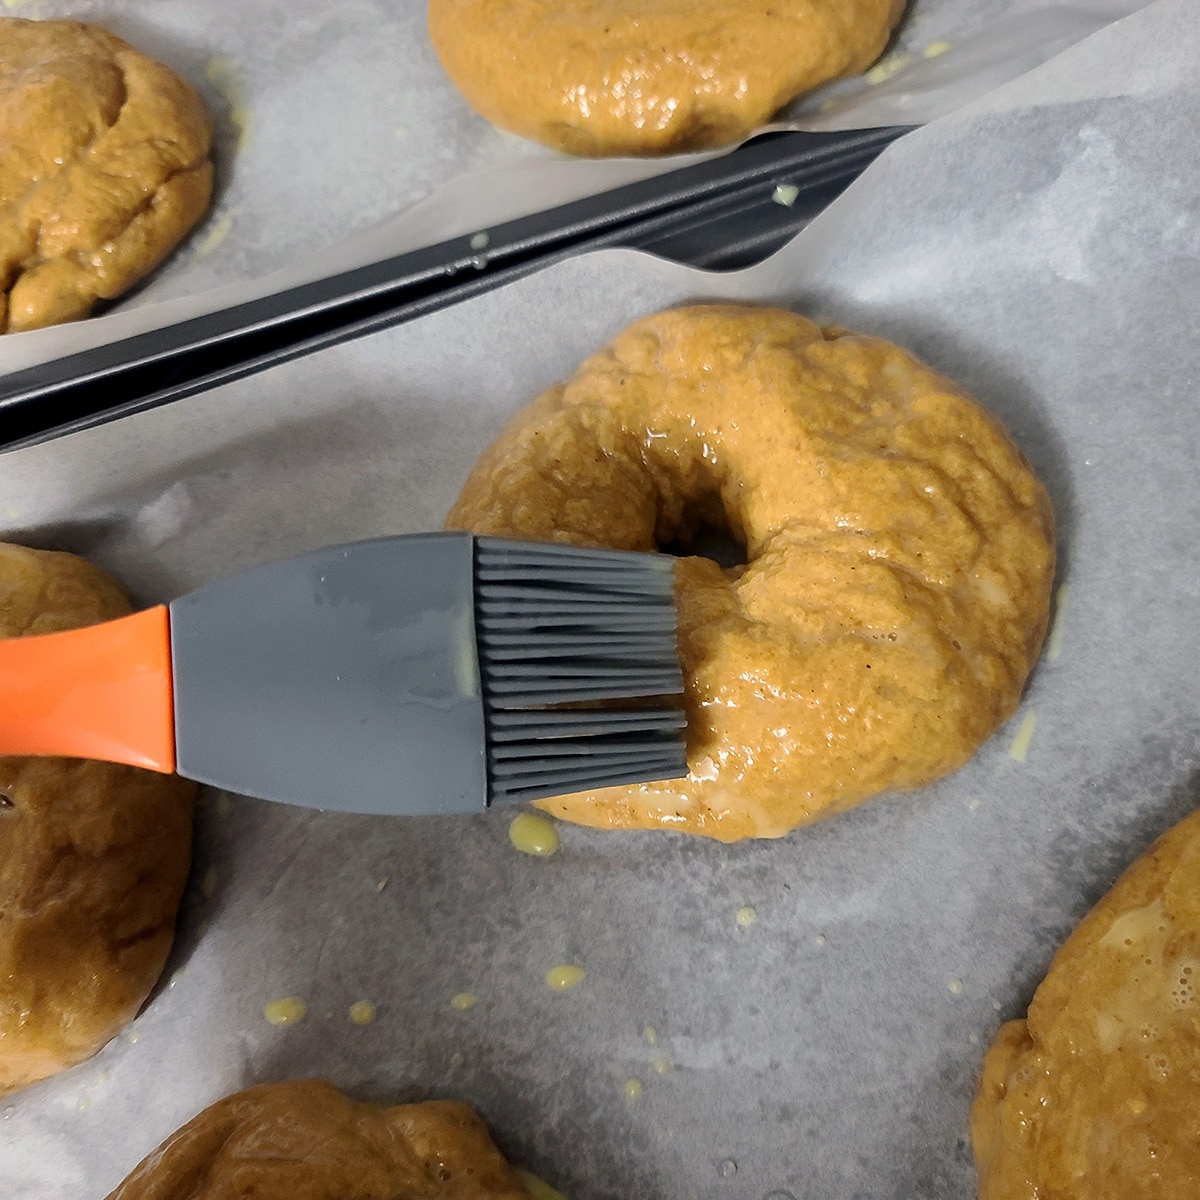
[340, 141]
[1043, 248]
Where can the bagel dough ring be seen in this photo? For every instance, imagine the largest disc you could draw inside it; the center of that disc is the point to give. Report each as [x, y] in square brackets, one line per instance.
[105, 168]
[609, 77]
[93, 857]
[899, 555]
[305, 1140]
[1096, 1093]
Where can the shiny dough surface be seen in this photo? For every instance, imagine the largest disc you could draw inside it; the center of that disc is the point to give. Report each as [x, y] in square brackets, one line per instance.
[305, 1140]
[1096, 1094]
[93, 858]
[105, 166]
[636, 77]
[899, 555]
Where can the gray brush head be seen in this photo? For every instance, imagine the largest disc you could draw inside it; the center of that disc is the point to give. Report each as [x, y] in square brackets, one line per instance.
[564, 635]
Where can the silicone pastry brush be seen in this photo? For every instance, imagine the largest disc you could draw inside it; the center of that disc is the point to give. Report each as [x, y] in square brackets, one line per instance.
[431, 673]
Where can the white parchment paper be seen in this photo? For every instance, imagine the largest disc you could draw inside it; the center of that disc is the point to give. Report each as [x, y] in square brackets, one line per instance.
[340, 140]
[1043, 247]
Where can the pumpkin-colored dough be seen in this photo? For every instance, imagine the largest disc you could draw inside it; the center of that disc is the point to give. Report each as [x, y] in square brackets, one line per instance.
[899, 555]
[1096, 1094]
[105, 166]
[604, 77]
[93, 858]
[305, 1140]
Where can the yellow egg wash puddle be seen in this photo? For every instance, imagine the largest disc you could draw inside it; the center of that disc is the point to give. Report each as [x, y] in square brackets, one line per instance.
[539, 1189]
[661, 1064]
[936, 49]
[651, 1035]
[287, 1010]
[464, 1001]
[533, 834]
[1019, 750]
[882, 71]
[226, 76]
[1055, 641]
[216, 234]
[634, 1089]
[564, 977]
[361, 1012]
[746, 916]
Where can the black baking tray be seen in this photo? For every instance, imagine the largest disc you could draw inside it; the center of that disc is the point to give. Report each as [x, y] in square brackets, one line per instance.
[723, 213]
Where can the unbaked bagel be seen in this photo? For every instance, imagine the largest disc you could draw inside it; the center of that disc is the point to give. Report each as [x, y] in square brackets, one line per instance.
[899, 555]
[104, 166]
[305, 1140]
[1095, 1095]
[604, 77]
[93, 857]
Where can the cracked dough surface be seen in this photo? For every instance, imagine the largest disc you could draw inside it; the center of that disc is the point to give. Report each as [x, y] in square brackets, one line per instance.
[609, 77]
[105, 168]
[93, 858]
[305, 1140]
[899, 551]
[1096, 1094]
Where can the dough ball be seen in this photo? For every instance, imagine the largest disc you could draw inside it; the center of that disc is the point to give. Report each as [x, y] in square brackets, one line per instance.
[305, 1140]
[93, 858]
[1096, 1094]
[105, 167]
[607, 77]
[899, 555]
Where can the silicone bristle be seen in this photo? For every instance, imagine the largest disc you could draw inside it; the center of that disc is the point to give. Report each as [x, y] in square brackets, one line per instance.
[558, 625]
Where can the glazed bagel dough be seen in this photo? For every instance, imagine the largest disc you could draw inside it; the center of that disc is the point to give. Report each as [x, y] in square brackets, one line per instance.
[1096, 1094]
[304, 1140]
[93, 858]
[899, 555]
[105, 166]
[604, 77]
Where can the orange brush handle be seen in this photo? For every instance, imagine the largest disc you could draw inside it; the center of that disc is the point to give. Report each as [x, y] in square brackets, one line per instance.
[99, 692]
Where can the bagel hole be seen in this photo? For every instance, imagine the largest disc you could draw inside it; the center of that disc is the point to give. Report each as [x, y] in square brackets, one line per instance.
[708, 536]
